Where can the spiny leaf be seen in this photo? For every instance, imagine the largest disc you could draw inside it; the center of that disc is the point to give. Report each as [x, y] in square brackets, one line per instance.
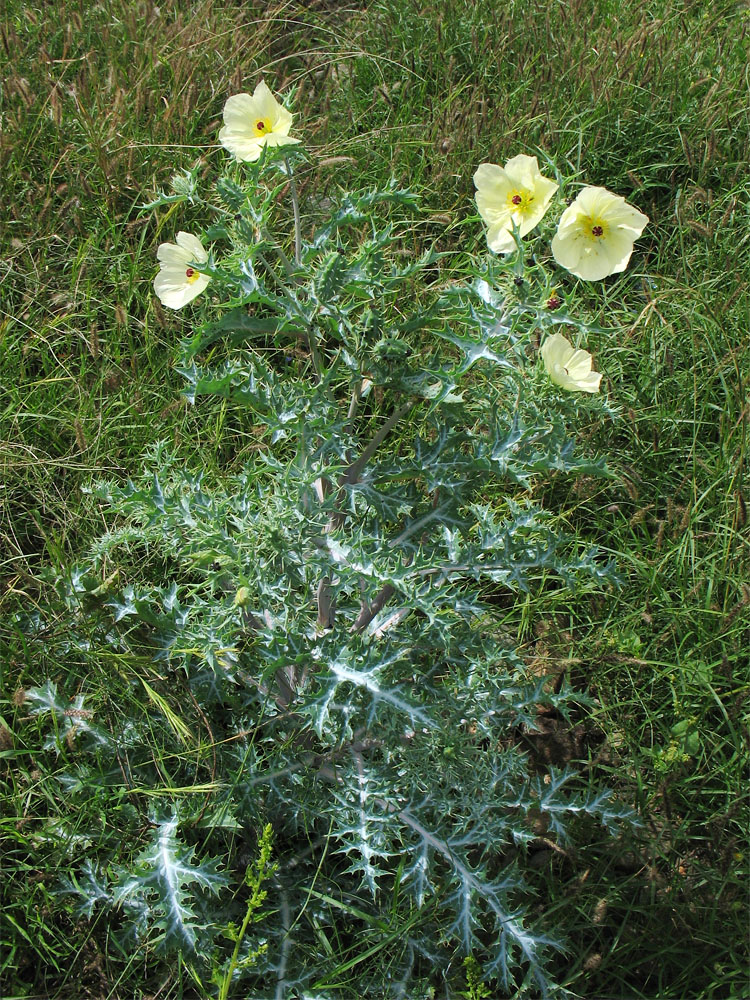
[161, 875]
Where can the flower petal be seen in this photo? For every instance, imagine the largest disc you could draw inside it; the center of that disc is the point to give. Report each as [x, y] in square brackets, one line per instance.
[170, 253]
[567, 248]
[283, 122]
[242, 146]
[589, 383]
[579, 364]
[193, 246]
[500, 237]
[493, 187]
[556, 350]
[489, 174]
[266, 104]
[176, 296]
[521, 168]
[609, 255]
[240, 134]
[598, 201]
[239, 110]
[276, 139]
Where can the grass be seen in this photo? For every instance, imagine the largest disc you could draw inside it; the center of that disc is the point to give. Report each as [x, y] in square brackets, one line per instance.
[103, 102]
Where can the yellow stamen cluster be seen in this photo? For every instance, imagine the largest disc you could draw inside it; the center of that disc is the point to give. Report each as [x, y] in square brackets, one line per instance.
[520, 201]
[595, 228]
[261, 126]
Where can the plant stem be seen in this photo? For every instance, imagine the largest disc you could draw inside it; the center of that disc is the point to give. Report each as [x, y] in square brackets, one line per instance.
[295, 208]
[310, 333]
[368, 612]
[227, 981]
[285, 946]
[255, 880]
[352, 411]
[354, 471]
[282, 256]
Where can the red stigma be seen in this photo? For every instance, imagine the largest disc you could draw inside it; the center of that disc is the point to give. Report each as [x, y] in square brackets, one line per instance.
[597, 231]
[516, 199]
[189, 273]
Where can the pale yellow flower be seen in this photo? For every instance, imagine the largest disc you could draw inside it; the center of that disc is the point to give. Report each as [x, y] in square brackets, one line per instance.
[568, 367]
[516, 193]
[595, 234]
[179, 281]
[250, 123]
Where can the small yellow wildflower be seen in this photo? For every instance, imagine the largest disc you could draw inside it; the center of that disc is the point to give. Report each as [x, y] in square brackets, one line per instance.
[516, 193]
[252, 122]
[179, 281]
[568, 367]
[595, 234]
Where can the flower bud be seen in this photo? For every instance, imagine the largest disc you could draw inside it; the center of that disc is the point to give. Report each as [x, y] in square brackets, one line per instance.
[242, 597]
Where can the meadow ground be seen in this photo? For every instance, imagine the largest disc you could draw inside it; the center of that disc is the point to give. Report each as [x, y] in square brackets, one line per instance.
[102, 102]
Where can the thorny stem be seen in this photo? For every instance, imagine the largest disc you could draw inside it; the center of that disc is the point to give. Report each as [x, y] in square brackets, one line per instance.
[316, 360]
[368, 612]
[354, 471]
[287, 264]
[278, 281]
[227, 980]
[295, 209]
[326, 604]
[311, 341]
[352, 411]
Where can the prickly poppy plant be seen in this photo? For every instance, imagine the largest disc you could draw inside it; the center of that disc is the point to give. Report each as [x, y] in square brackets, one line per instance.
[324, 662]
